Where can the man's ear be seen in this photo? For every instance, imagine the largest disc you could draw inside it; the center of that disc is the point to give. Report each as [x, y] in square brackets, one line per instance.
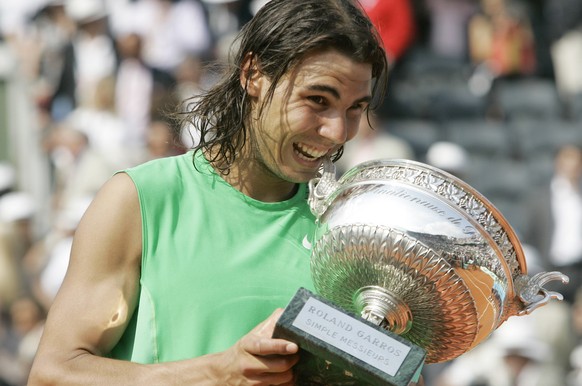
[251, 78]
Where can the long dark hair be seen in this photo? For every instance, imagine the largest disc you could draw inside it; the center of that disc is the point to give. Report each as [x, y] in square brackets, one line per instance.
[276, 39]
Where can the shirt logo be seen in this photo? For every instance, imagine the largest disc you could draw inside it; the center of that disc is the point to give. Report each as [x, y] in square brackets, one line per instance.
[306, 244]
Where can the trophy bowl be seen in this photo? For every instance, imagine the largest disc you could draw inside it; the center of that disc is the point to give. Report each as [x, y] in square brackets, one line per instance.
[421, 253]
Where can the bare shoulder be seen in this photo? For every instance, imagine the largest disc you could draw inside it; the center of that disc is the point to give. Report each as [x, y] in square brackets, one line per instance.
[110, 230]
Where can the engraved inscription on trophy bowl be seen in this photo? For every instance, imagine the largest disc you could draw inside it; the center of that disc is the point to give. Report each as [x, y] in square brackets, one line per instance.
[419, 252]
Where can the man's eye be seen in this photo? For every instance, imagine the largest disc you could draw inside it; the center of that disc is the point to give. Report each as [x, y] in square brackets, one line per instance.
[317, 99]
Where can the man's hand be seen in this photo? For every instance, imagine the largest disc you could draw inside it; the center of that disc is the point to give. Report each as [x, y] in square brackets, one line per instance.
[257, 359]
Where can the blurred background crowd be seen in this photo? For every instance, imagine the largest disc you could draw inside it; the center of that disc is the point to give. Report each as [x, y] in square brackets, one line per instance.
[488, 90]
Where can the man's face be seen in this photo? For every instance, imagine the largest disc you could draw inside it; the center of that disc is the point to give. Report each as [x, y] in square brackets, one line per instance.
[315, 109]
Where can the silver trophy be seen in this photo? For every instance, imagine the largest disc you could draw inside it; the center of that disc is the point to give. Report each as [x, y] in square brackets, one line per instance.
[419, 253]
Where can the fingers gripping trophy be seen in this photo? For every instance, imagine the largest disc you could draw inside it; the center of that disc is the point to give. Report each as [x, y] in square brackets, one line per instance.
[410, 265]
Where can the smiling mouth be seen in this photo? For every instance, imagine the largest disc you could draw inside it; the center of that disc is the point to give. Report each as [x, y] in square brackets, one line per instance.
[308, 153]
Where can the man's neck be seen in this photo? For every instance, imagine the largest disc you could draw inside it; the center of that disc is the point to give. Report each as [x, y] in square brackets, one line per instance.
[251, 178]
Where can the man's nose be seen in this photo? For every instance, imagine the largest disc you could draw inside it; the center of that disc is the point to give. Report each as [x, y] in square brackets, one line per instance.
[335, 129]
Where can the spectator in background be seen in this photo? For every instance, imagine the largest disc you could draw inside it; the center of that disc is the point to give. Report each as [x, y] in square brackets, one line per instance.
[226, 17]
[396, 25]
[564, 18]
[448, 27]
[89, 57]
[27, 318]
[10, 372]
[53, 29]
[37, 33]
[134, 88]
[555, 223]
[17, 31]
[108, 135]
[141, 91]
[501, 42]
[575, 374]
[191, 80]
[527, 350]
[162, 140]
[171, 31]
[79, 169]
[17, 209]
[394, 20]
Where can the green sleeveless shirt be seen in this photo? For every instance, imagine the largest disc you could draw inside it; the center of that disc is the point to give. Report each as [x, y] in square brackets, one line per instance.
[215, 262]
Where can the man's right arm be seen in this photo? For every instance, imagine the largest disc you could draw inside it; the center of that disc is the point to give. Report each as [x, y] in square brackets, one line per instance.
[98, 297]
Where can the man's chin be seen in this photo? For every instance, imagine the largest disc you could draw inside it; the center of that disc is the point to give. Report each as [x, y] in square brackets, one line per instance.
[299, 173]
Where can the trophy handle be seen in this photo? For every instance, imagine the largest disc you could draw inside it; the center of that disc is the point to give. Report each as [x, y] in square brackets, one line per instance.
[321, 187]
[532, 293]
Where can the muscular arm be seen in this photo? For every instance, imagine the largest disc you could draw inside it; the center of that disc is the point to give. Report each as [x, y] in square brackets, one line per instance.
[98, 297]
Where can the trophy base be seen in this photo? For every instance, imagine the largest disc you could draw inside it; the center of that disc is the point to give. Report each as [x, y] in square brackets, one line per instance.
[339, 348]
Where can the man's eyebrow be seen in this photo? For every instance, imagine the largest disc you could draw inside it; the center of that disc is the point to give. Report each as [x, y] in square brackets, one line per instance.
[324, 88]
[335, 93]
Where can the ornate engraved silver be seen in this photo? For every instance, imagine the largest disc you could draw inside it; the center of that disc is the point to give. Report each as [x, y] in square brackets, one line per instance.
[421, 253]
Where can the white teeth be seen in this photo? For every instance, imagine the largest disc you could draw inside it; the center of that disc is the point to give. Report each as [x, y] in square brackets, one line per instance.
[308, 152]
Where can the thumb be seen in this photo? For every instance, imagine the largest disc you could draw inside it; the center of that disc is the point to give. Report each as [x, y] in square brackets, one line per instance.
[267, 327]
